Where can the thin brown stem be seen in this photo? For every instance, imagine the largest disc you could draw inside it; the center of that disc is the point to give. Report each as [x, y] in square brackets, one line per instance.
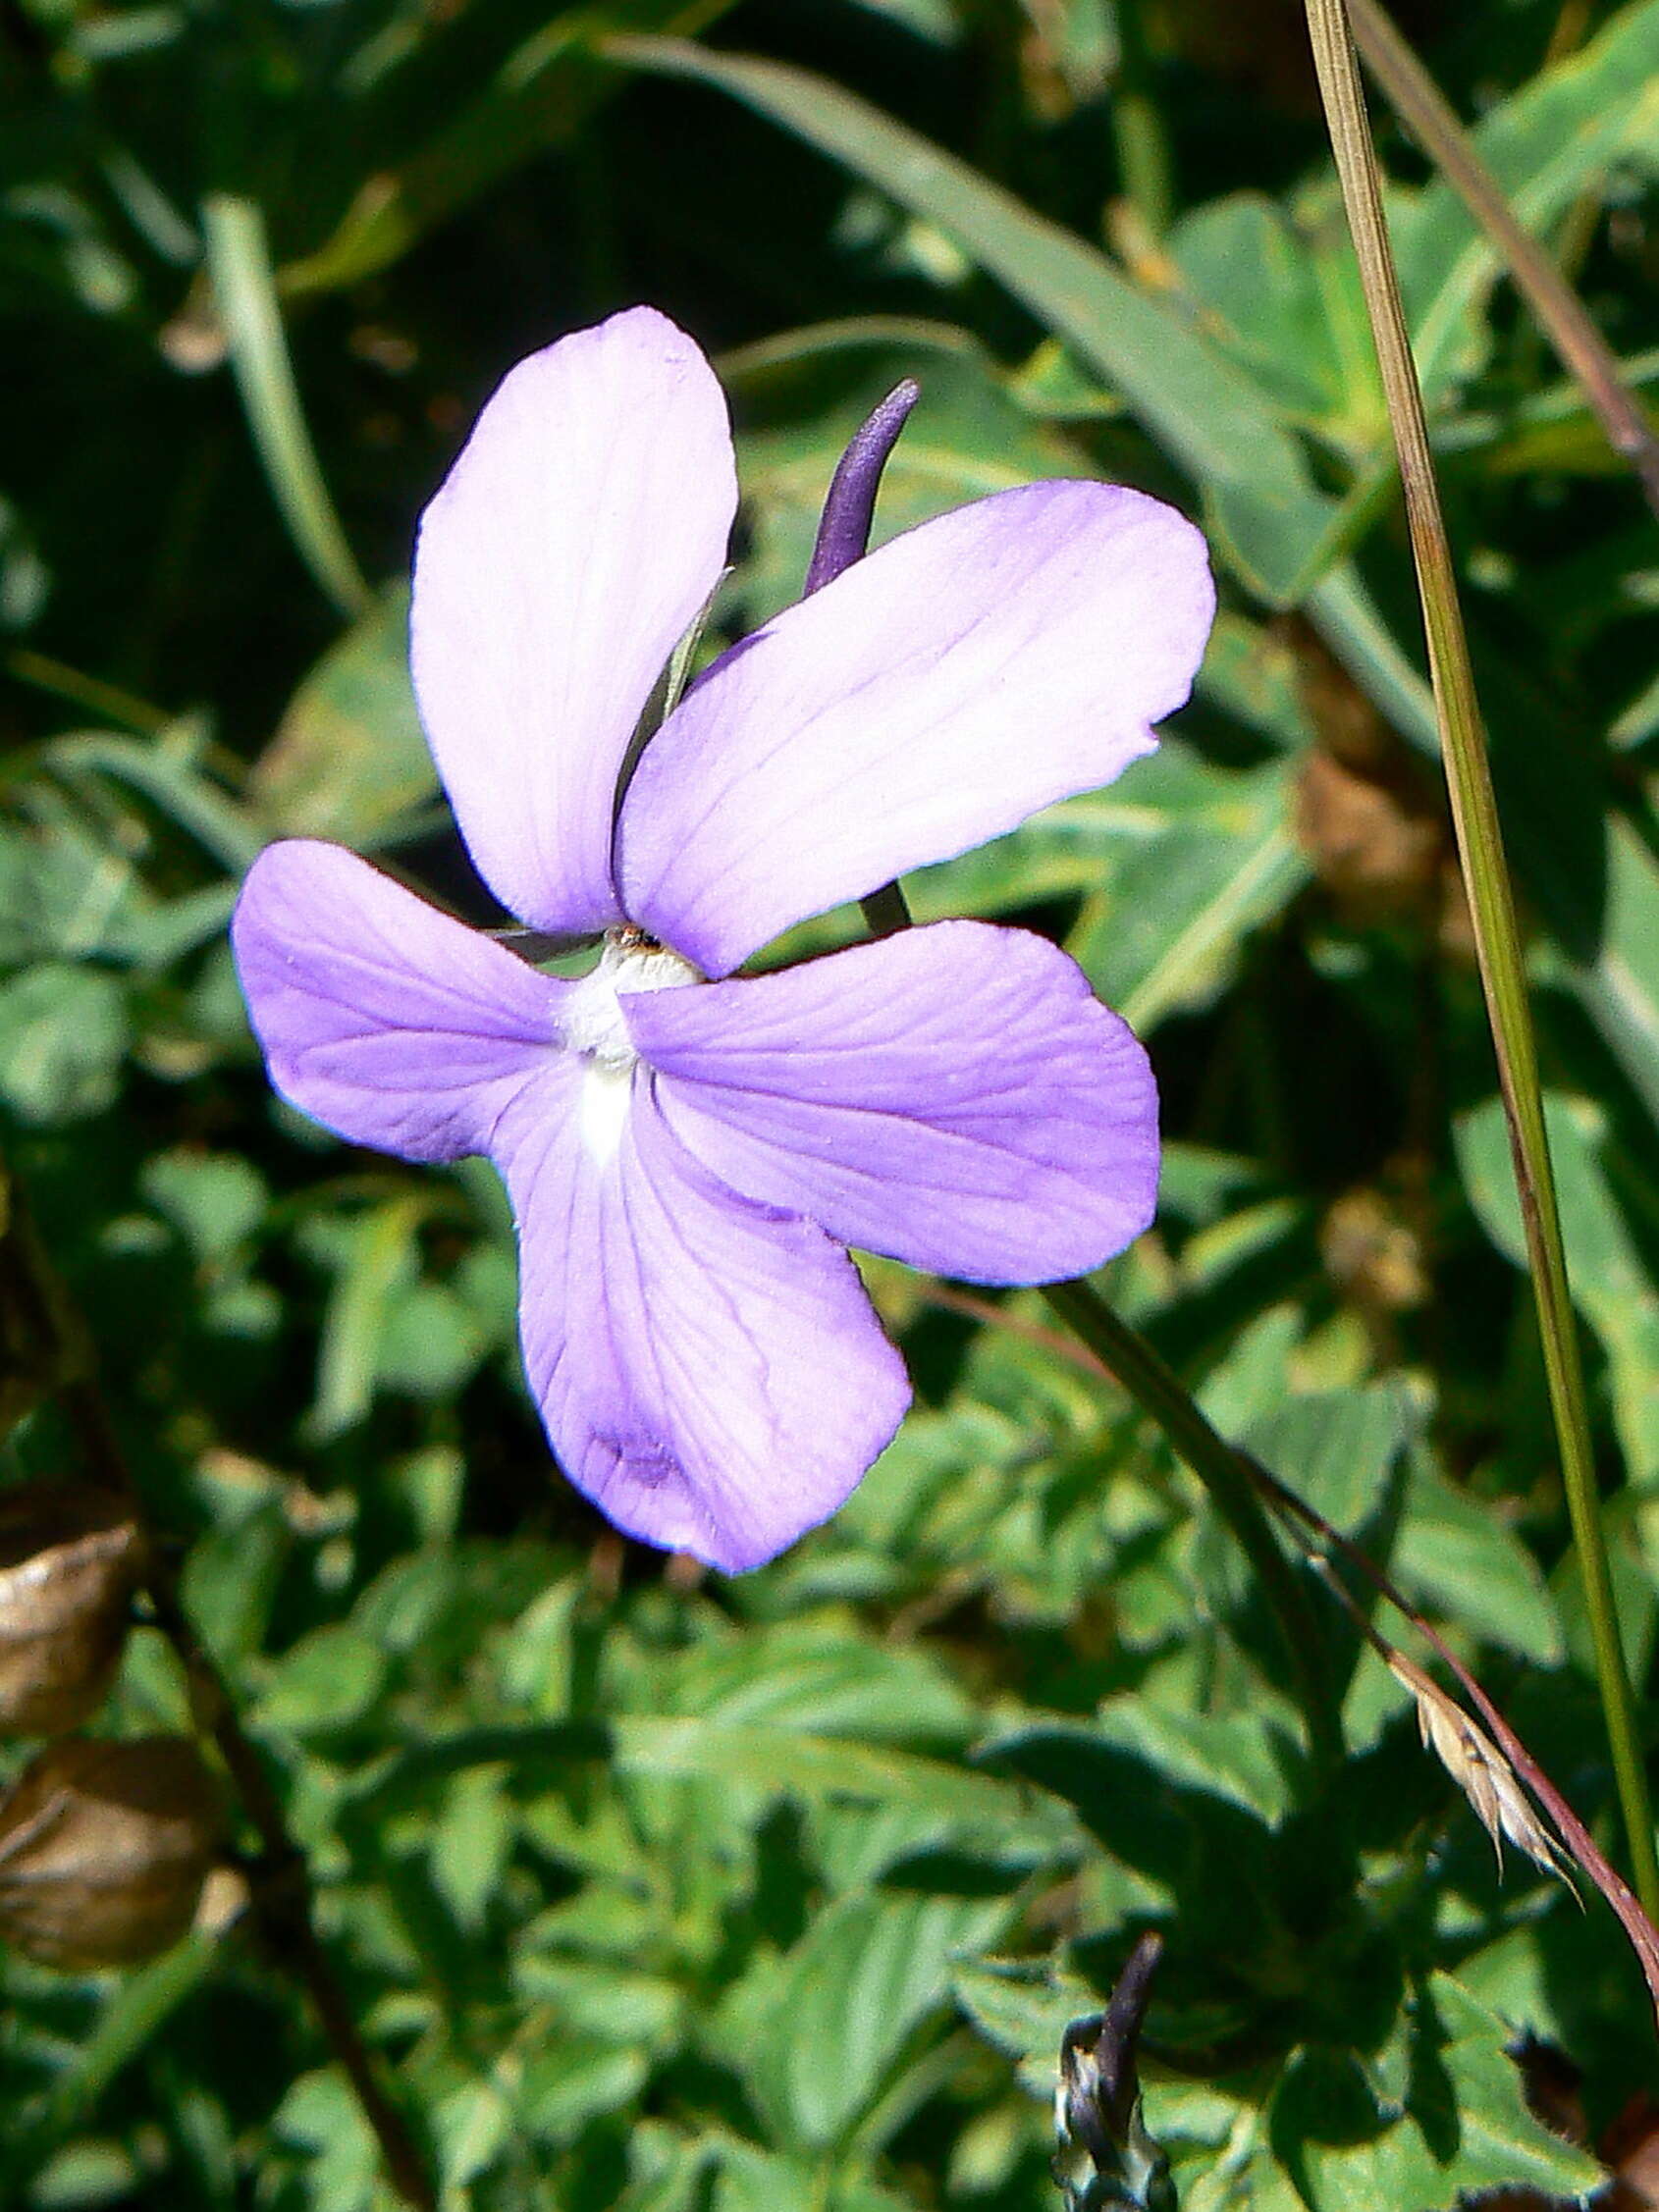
[1318, 1539]
[1422, 107]
[282, 1897]
[1497, 937]
[1644, 1938]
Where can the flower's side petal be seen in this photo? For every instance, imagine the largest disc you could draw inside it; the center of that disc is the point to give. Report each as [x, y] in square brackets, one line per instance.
[710, 1374]
[953, 1096]
[933, 696]
[389, 1022]
[573, 543]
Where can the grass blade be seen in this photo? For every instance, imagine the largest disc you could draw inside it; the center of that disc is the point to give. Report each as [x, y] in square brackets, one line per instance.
[244, 287]
[1497, 938]
[1418, 101]
[1277, 527]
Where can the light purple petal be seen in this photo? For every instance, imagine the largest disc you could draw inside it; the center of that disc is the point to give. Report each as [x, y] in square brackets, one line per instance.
[575, 540]
[934, 695]
[710, 1374]
[953, 1096]
[391, 1024]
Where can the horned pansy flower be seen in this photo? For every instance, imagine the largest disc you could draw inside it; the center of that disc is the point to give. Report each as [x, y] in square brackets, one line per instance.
[689, 1150]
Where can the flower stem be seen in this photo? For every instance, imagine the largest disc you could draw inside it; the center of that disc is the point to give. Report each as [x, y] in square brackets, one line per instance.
[1481, 849]
[1143, 147]
[60, 1362]
[1319, 1543]
[1157, 1390]
[1228, 1478]
[842, 537]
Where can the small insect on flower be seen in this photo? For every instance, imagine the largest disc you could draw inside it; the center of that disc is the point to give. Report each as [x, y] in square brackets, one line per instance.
[689, 1151]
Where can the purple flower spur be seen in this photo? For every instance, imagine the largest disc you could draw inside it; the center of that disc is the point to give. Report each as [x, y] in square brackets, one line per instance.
[689, 1151]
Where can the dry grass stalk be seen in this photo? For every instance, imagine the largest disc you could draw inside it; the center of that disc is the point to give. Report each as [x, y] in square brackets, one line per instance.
[1481, 1772]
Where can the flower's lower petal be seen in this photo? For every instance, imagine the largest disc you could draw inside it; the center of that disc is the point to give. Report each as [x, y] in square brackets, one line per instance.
[933, 696]
[389, 1022]
[572, 544]
[711, 1373]
[953, 1096]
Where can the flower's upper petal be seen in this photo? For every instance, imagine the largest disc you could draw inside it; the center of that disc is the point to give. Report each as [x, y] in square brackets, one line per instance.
[573, 543]
[953, 1096]
[711, 1373]
[388, 1022]
[933, 696]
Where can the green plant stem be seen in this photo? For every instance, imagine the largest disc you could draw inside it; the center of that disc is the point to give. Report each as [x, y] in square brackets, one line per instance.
[106, 701]
[1497, 939]
[1158, 1392]
[1228, 1480]
[245, 287]
[1143, 147]
[1418, 101]
[58, 1351]
[1319, 1541]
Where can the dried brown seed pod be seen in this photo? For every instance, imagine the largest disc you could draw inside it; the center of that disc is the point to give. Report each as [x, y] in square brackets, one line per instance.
[104, 1848]
[69, 1559]
[1374, 845]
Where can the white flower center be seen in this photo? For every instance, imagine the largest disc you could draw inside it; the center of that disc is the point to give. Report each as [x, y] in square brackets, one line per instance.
[596, 1029]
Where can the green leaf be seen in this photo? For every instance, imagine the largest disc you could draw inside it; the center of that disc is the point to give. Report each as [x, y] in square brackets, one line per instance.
[349, 759]
[1216, 860]
[25, 582]
[137, 2011]
[63, 1036]
[62, 890]
[1162, 1824]
[432, 1341]
[471, 1842]
[341, 2163]
[1610, 1282]
[779, 1761]
[807, 391]
[814, 1766]
[245, 297]
[1544, 145]
[1260, 494]
[1243, 1756]
[1338, 1448]
[582, 2078]
[328, 1680]
[472, 2125]
[376, 1259]
[166, 770]
[824, 1682]
[1282, 297]
[1619, 987]
[1440, 2113]
[1455, 1554]
[541, 95]
[1024, 2006]
[1251, 671]
[757, 2181]
[1501, 2143]
[231, 1577]
[603, 2000]
[837, 2013]
[216, 1200]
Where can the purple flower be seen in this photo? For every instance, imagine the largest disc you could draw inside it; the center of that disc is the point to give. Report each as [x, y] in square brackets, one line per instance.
[688, 1151]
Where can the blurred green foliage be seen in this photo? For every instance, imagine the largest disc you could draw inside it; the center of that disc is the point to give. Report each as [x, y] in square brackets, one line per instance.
[682, 1895]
